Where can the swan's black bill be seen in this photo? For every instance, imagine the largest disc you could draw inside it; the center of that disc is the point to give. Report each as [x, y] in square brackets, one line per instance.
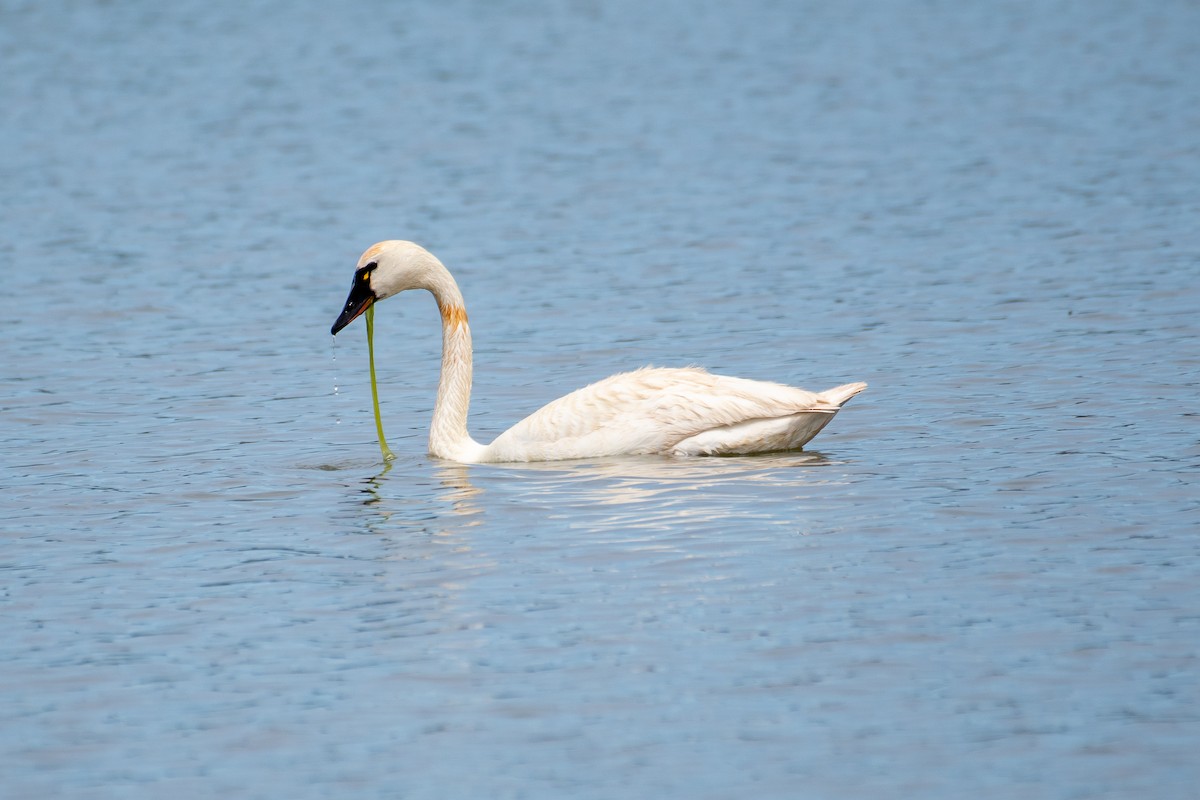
[360, 299]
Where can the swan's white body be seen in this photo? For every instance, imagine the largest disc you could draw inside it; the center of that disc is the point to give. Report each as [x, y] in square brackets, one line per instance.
[681, 412]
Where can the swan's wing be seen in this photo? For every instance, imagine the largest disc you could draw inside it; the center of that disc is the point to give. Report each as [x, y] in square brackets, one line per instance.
[654, 411]
[768, 435]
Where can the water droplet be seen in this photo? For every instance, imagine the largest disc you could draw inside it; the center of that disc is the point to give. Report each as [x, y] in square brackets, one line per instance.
[337, 390]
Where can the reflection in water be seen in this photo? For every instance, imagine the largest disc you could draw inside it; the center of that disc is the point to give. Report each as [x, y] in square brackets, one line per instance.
[455, 479]
[453, 533]
[376, 481]
[431, 553]
[615, 494]
[460, 492]
[653, 493]
[675, 469]
[631, 495]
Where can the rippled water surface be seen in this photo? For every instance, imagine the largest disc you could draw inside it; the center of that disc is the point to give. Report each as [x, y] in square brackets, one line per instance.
[981, 580]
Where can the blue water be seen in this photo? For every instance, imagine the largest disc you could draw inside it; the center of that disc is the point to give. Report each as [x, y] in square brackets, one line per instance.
[980, 580]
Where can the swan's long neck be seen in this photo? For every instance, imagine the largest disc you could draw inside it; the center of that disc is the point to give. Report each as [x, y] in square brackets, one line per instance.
[448, 437]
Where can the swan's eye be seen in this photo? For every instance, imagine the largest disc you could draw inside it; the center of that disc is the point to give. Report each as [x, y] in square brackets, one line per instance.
[366, 276]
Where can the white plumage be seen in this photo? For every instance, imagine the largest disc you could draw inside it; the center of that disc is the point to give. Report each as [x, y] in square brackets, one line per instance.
[679, 412]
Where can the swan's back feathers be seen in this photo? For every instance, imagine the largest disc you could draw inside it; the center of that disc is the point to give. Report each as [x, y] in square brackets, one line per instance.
[656, 410]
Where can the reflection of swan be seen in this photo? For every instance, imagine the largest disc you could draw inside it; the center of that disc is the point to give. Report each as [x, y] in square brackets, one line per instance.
[625, 498]
[637, 480]
[460, 492]
[649, 411]
[630, 496]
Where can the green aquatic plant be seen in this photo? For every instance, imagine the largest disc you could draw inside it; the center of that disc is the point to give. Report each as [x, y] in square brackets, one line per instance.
[388, 455]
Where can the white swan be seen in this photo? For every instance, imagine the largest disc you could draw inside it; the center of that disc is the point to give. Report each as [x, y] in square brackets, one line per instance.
[679, 412]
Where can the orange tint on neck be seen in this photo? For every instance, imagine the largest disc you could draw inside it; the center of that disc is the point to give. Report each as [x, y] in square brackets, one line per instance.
[454, 316]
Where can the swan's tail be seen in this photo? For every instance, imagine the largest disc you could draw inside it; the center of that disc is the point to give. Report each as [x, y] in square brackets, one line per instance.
[838, 396]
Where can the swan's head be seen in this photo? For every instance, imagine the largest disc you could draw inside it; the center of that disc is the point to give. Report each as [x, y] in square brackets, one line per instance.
[386, 269]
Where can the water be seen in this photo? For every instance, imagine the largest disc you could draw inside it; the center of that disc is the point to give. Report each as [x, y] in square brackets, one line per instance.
[981, 580]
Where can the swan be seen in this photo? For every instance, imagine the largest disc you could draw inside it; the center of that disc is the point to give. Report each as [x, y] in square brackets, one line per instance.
[676, 412]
